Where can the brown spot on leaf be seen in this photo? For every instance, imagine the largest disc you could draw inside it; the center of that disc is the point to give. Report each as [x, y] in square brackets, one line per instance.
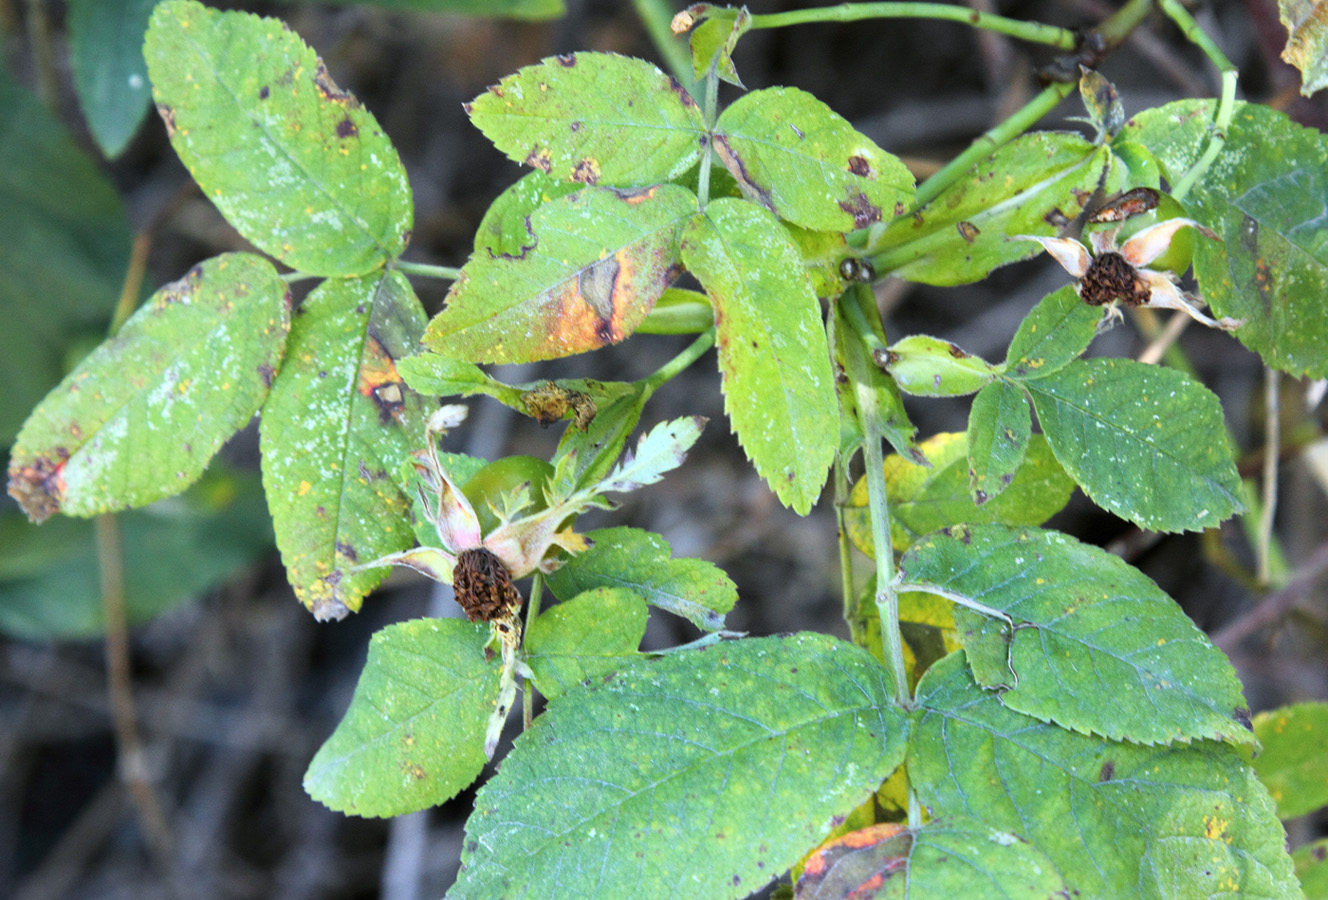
[957, 353]
[327, 88]
[1111, 277]
[566, 60]
[586, 171]
[1242, 716]
[676, 86]
[39, 486]
[1056, 219]
[1108, 770]
[540, 158]
[347, 551]
[1131, 203]
[167, 114]
[859, 166]
[550, 402]
[346, 129]
[1081, 196]
[468, 108]
[968, 231]
[267, 373]
[264, 92]
[738, 169]
[863, 211]
[483, 586]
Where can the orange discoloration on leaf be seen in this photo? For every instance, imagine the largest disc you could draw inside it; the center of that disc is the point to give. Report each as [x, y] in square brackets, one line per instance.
[588, 310]
[380, 381]
[888, 845]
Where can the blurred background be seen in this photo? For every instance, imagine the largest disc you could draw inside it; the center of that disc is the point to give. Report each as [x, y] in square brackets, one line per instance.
[234, 685]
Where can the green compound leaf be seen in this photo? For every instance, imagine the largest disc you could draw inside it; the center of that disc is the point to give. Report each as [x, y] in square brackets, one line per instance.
[1000, 425]
[293, 162]
[1098, 648]
[50, 584]
[63, 257]
[338, 426]
[1036, 184]
[599, 261]
[1117, 820]
[805, 163]
[141, 416]
[1293, 764]
[923, 499]
[590, 635]
[954, 858]
[1056, 331]
[640, 562]
[593, 118]
[1144, 442]
[700, 775]
[532, 10]
[1263, 196]
[1306, 48]
[413, 736]
[106, 54]
[505, 228]
[779, 390]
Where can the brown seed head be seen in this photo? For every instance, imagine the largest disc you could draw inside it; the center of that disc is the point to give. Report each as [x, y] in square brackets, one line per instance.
[484, 586]
[1111, 277]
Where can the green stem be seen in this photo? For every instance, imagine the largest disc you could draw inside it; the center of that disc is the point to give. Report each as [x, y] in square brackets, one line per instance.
[1114, 30]
[1226, 106]
[425, 270]
[532, 610]
[993, 139]
[680, 362]
[851, 614]
[878, 508]
[858, 363]
[1034, 32]
[1119, 24]
[1271, 447]
[657, 17]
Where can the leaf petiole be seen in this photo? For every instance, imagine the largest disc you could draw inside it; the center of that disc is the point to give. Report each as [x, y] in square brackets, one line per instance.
[426, 270]
[1034, 32]
[704, 341]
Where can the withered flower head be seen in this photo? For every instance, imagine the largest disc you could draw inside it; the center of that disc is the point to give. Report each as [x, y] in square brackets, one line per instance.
[1111, 275]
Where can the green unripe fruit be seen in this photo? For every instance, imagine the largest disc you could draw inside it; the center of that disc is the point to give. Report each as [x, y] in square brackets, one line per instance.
[930, 367]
